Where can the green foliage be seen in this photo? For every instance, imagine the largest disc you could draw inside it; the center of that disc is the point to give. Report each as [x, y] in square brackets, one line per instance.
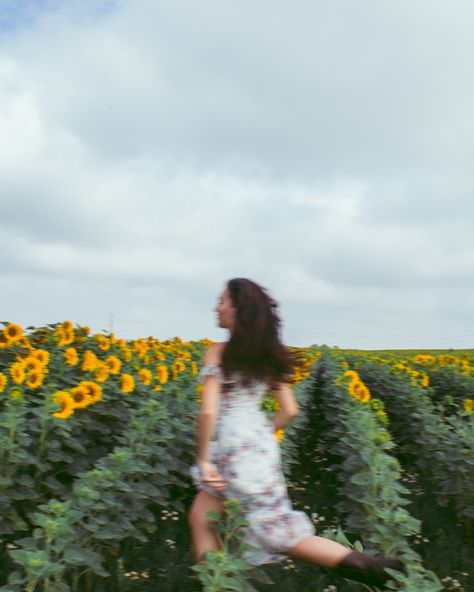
[368, 475]
[226, 570]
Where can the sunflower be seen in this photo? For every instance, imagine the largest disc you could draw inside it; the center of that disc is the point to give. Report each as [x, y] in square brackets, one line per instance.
[351, 374]
[145, 375]
[34, 379]
[179, 366]
[363, 393]
[71, 356]
[355, 387]
[159, 355]
[25, 342]
[113, 364]
[127, 383]
[3, 382]
[468, 405]
[17, 372]
[127, 354]
[64, 336]
[66, 402]
[140, 347]
[81, 397]
[31, 363]
[358, 390]
[94, 390]
[102, 341]
[101, 373]
[12, 332]
[4, 343]
[90, 361]
[42, 355]
[162, 374]
[279, 434]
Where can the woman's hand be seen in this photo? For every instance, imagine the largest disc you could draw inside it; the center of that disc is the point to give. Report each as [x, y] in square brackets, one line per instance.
[211, 475]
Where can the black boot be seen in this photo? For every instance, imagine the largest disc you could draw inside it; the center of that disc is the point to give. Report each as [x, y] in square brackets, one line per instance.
[367, 569]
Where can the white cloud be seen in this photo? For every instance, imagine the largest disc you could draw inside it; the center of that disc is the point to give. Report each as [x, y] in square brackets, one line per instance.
[150, 151]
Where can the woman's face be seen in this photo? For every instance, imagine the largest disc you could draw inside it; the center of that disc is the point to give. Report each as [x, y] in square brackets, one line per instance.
[225, 311]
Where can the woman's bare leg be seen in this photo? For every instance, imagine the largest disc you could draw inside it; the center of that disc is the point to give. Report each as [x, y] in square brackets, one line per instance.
[203, 537]
[316, 549]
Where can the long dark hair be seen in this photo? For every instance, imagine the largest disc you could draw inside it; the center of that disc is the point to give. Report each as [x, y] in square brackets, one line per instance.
[254, 348]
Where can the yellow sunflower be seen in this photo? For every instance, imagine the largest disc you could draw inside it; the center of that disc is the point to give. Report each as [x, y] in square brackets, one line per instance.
[279, 434]
[113, 364]
[425, 380]
[162, 372]
[127, 383]
[127, 354]
[4, 343]
[25, 342]
[468, 405]
[94, 390]
[34, 379]
[42, 355]
[364, 394]
[17, 372]
[3, 382]
[64, 336]
[145, 375]
[66, 403]
[355, 387]
[102, 341]
[351, 374]
[12, 332]
[30, 363]
[71, 356]
[90, 361]
[81, 397]
[101, 373]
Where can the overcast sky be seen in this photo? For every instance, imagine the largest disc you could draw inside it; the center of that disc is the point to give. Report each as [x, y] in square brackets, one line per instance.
[150, 150]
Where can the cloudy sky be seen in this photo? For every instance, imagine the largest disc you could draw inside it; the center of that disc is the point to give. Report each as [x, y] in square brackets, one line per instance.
[150, 150]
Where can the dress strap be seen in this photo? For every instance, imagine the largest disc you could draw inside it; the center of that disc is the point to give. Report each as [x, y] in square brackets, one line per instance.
[210, 369]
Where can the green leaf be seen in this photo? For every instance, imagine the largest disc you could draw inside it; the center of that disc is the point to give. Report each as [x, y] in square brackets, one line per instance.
[200, 568]
[231, 583]
[77, 555]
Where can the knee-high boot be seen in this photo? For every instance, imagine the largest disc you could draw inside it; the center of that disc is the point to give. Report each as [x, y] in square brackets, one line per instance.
[367, 569]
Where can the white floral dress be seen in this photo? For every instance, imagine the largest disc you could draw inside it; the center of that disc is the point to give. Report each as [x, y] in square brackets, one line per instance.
[247, 455]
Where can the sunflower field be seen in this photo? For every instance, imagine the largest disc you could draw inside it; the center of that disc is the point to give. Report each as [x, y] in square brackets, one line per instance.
[97, 435]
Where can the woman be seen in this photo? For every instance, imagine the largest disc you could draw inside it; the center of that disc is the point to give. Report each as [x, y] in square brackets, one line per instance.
[237, 453]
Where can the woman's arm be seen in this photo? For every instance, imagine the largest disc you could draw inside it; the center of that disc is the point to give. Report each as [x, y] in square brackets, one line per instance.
[205, 429]
[281, 420]
[207, 415]
[288, 405]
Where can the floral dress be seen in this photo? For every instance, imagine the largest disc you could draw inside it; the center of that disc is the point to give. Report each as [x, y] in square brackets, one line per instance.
[247, 455]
